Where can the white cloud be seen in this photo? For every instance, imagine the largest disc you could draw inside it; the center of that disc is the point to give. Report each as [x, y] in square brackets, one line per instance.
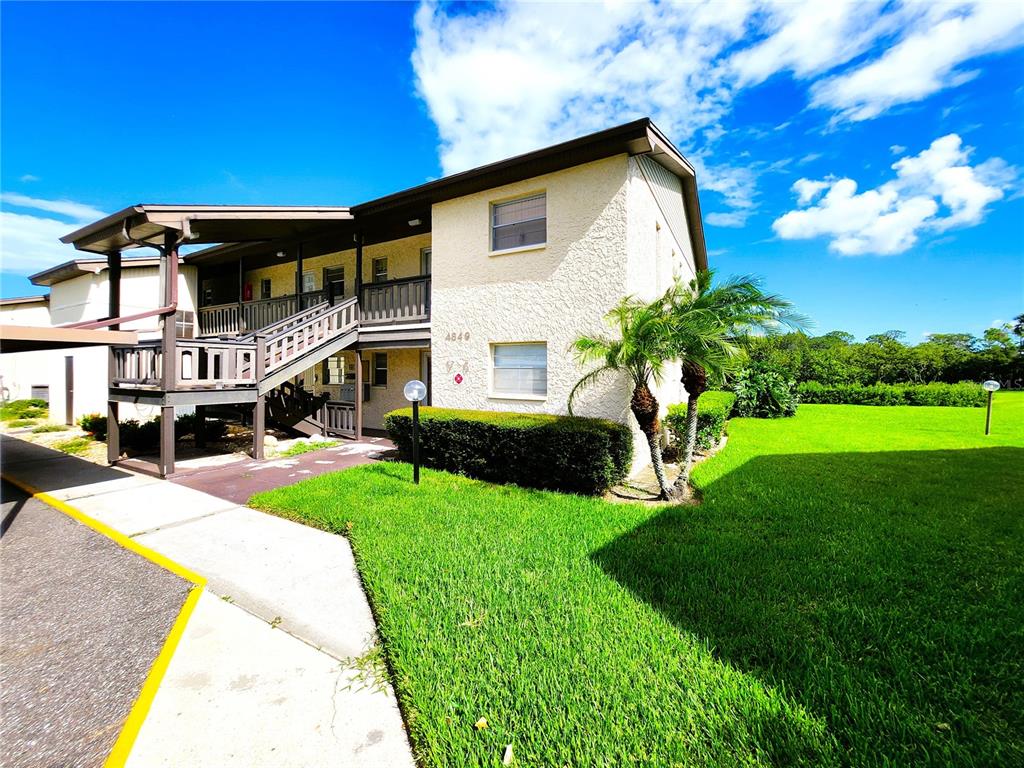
[928, 59]
[516, 77]
[28, 178]
[733, 219]
[30, 242]
[897, 149]
[933, 191]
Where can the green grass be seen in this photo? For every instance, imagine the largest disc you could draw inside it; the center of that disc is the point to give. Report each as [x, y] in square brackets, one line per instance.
[295, 449]
[21, 422]
[848, 593]
[50, 428]
[76, 446]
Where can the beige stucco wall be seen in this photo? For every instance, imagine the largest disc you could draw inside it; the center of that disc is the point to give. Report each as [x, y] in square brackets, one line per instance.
[37, 313]
[606, 238]
[553, 293]
[403, 261]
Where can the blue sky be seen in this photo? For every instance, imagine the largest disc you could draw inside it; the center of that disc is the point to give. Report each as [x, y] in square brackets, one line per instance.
[864, 159]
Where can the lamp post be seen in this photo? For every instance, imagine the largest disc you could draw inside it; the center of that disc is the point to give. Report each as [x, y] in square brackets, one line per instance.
[415, 391]
[990, 387]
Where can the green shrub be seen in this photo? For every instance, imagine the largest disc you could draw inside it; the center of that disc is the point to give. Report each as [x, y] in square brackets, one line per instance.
[713, 410]
[24, 409]
[764, 391]
[560, 453]
[50, 428]
[964, 394]
[21, 423]
[95, 425]
[146, 434]
[76, 446]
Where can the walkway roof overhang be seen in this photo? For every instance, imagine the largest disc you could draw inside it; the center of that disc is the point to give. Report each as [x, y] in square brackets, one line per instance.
[146, 225]
[30, 338]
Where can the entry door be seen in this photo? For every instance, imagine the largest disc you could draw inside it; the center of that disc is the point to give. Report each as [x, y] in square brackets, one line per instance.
[334, 283]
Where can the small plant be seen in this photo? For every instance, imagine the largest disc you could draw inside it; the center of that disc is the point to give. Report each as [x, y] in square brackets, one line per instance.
[24, 409]
[713, 410]
[76, 446]
[42, 428]
[304, 447]
[765, 392]
[21, 423]
[95, 425]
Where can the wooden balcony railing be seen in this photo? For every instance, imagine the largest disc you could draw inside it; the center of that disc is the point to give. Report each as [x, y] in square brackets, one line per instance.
[396, 301]
[338, 418]
[250, 316]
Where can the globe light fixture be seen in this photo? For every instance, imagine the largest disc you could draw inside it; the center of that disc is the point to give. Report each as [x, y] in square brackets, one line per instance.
[415, 391]
[989, 386]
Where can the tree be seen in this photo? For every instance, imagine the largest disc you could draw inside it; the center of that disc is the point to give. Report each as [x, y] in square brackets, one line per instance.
[640, 351]
[709, 325]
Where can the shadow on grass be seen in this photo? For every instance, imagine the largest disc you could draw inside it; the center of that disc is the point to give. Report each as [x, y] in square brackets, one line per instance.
[882, 591]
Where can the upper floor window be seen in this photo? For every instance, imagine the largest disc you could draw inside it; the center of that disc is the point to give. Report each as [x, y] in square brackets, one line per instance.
[380, 369]
[519, 223]
[380, 270]
[425, 261]
[520, 369]
[308, 282]
[265, 288]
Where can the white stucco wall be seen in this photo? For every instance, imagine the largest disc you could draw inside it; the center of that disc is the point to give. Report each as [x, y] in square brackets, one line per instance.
[36, 313]
[86, 298]
[552, 294]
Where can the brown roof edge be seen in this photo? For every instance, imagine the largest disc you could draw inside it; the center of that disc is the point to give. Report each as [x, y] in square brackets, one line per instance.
[78, 267]
[41, 298]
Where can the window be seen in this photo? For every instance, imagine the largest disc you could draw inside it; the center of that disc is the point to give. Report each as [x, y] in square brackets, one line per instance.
[380, 369]
[425, 261]
[334, 367]
[519, 223]
[520, 369]
[308, 282]
[40, 392]
[380, 270]
[265, 288]
[334, 282]
[184, 324]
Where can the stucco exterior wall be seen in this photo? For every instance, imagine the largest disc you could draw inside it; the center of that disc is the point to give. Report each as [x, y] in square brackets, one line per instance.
[552, 294]
[37, 313]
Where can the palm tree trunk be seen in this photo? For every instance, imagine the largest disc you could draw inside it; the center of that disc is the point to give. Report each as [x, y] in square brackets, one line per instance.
[645, 408]
[690, 442]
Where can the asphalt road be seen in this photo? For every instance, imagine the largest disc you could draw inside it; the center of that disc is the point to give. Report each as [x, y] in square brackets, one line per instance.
[81, 621]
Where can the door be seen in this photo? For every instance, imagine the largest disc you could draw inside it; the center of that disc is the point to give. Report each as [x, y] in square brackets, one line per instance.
[334, 283]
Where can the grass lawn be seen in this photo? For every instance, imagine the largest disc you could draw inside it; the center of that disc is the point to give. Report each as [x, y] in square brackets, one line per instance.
[850, 592]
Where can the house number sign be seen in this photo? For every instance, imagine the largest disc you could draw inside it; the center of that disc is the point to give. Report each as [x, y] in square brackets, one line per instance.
[457, 336]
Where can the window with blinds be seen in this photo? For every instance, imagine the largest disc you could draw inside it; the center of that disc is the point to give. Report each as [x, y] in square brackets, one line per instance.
[520, 369]
[519, 223]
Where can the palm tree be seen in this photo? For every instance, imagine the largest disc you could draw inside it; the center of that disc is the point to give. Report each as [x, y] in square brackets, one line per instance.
[640, 351]
[708, 327]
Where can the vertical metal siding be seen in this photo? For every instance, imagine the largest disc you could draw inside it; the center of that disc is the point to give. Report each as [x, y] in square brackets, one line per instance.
[668, 192]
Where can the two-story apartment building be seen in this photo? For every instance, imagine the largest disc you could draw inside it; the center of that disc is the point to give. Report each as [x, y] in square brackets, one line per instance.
[476, 283]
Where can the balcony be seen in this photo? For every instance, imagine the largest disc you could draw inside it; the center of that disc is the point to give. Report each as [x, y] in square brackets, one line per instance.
[393, 302]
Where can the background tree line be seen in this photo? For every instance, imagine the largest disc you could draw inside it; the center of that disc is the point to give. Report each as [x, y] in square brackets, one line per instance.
[835, 358]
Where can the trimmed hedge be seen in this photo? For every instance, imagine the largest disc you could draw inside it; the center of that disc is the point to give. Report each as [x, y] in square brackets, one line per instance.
[713, 410]
[964, 394]
[558, 453]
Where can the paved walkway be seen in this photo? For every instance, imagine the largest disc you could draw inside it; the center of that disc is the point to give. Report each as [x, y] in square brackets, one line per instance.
[238, 478]
[266, 671]
[83, 621]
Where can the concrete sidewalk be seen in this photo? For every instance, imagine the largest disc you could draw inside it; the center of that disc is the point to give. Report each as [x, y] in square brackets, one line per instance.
[262, 676]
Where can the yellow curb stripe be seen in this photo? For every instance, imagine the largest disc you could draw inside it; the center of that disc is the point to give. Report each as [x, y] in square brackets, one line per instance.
[137, 715]
[133, 723]
[125, 541]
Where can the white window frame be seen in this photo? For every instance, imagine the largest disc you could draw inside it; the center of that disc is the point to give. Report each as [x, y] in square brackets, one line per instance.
[374, 369]
[499, 394]
[308, 281]
[373, 269]
[497, 205]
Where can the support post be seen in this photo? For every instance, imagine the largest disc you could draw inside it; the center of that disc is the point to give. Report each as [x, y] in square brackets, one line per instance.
[166, 465]
[113, 428]
[169, 273]
[200, 428]
[359, 395]
[69, 389]
[359, 267]
[114, 287]
[259, 426]
[241, 295]
[298, 278]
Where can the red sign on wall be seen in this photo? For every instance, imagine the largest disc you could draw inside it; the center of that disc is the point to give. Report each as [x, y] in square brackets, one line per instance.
[458, 378]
